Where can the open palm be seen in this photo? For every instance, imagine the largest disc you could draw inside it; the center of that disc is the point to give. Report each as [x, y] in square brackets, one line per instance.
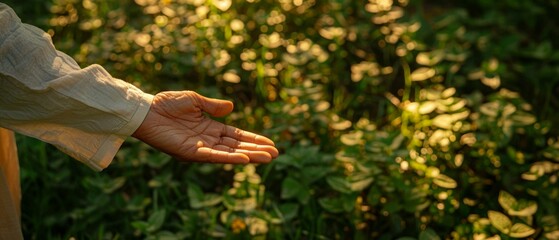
[177, 125]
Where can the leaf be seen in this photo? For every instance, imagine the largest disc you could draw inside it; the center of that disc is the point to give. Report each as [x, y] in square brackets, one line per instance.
[164, 235]
[222, 5]
[524, 208]
[492, 82]
[353, 138]
[490, 109]
[523, 119]
[520, 230]
[446, 121]
[333, 205]
[500, 221]
[348, 202]
[444, 181]
[114, 184]
[140, 225]
[507, 201]
[286, 160]
[422, 74]
[339, 184]
[195, 194]
[429, 58]
[429, 234]
[303, 196]
[427, 107]
[288, 211]
[513, 207]
[397, 142]
[156, 220]
[360, 185]
[290, 188]
[443, 121]
[314, 173]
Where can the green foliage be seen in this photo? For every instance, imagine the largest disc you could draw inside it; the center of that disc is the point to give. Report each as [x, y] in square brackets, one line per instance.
[395, 119]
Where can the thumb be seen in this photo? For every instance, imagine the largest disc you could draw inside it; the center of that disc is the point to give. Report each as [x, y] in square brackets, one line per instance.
[215, 107]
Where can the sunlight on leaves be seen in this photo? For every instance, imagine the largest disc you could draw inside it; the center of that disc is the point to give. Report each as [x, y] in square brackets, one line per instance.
[445, 181]
[427, 107]
[222, 5]
[492, 82]
[332, 32]
[376, 6]
[422, 74]
[520, 230]
[351, 139]
[430, 58]
[500, 221]
[446, 121]
[513, 207]
[231, 77]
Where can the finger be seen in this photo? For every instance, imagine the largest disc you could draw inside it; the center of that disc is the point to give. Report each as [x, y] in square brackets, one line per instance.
[245, 136]
[233, 143]
[215, 107]
[219, 156]
[254, 156]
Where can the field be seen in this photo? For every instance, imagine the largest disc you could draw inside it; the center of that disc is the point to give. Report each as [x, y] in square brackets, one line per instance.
[395, 119]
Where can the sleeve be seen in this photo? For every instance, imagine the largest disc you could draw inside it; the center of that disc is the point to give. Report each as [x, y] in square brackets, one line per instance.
[44, 93]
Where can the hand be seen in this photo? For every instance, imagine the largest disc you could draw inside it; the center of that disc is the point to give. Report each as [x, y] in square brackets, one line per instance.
[176, 124]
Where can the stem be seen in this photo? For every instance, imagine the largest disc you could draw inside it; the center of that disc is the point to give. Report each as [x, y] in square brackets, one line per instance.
[405, 97]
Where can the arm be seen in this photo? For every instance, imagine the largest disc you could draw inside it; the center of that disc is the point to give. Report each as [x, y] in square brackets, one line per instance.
[88, 114]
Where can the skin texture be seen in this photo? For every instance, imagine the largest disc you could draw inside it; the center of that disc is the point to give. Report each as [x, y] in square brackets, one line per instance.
[177, 124]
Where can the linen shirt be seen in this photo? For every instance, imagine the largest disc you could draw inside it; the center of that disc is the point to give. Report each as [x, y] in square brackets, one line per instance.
[45, 94]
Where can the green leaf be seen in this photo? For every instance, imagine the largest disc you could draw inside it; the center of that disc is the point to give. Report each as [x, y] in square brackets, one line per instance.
[520, 230]
[156, 220]
[164, 235]
[314, 173]
[304, 196]
[140, 225]
[290, 188]
[333, 205]
[158, 160]
[348, 202]
[285, 160]
[114, 184]
[429, 234]
[339, 184]
[500, 221]
[195, 194]
[289, 211]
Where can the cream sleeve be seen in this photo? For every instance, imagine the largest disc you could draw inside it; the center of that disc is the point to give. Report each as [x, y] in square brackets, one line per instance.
[44, 93]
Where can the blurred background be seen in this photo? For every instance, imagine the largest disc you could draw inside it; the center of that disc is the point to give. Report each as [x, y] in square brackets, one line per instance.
[396, 119]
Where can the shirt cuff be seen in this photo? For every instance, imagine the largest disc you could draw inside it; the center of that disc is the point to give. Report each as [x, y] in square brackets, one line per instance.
[108, 149]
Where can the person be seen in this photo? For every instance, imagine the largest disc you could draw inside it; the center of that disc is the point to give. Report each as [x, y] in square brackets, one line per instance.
[88, 114]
